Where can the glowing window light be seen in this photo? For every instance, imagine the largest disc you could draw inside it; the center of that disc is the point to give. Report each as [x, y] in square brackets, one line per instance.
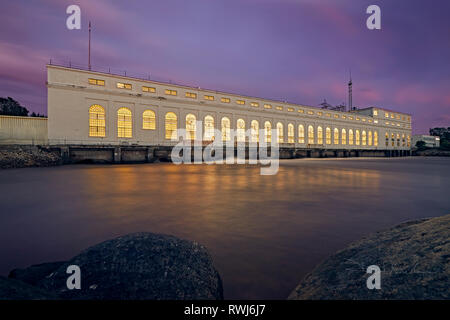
[344, 136]
[171, 125]
[124, 123]
[336, 136]
[191, 126]
[209, 128]
[280, 132]
[254, 131]
[350, 137]
[310, 135]
[97, 124]
[328, 135]
[225, 129]
[301, 133]
[240, 132]
[291, 133]
[148, 120]
[267, 132]
[319, 135]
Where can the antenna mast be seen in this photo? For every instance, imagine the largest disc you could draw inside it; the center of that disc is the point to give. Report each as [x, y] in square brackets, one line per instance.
[89, 53]
[350, 92]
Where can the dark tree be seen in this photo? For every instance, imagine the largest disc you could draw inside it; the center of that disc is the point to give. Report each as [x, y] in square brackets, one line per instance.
[10, 107]
[420, 145]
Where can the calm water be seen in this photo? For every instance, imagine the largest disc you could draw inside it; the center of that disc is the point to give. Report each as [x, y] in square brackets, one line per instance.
[264, 232]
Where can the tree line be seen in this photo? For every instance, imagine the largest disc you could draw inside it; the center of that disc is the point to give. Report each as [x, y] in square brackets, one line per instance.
[11, 107]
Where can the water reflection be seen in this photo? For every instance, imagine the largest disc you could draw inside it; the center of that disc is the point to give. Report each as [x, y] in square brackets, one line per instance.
[264, 232]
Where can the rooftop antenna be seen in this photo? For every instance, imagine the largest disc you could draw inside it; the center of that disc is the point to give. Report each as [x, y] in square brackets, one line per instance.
[350, 92]
[89, 53]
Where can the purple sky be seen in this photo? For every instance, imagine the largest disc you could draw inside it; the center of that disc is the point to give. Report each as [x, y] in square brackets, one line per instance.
[294, 50]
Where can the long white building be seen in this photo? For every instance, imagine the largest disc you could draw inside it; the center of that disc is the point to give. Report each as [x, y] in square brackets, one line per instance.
[93, 108]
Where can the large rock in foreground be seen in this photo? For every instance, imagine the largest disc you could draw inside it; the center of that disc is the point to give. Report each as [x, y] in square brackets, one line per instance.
[414, 259]
[135, 266]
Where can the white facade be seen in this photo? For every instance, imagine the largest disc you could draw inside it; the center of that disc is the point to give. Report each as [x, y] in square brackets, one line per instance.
[72, 92]
[430, 141]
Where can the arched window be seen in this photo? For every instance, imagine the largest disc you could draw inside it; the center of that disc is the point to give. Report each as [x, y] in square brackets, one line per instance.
[398, 139]
[124, 123]
[375, 138]
[387, 139]
[370, 138]
[171, 125]
[267, 132]
[357, 138]
[403, 140]
[408, 140]
[97, 124]
[364, 138]
[301, 133]
[393, 139]
[148, 120]
[254, 131]
[291, 138]
[240, 124]
[280, 132]
[225, 129]
[350, 137]
[336, 136]
[190, 126]
[209, 128]
[344, 136]
[310, 135]
[319, 135]
[328, 135]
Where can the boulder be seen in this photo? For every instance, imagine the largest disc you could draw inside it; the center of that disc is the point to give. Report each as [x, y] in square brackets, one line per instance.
[140, 266]
[414, 259]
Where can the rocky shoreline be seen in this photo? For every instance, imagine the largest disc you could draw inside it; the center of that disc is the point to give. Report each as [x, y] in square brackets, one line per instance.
[132, 267]
[414, 259]
[27, 156]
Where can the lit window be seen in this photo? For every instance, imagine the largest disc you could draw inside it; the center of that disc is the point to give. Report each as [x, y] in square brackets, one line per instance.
[319, 135]
[311, 112]
[124, 123]
[210, 98]
[290, 109]
[171, 126]
[254, 131]
[408, 139]
[97, 125]
[364, 138]
[351, 118]
[398, 139]
[225, 129]
[344, 117]
[392, 139]
[357, 118]
[336, 136]
[363, 119]
[267, 106]
[240, 132]
[254, 104]
[148, 89]
[370, 120]
[267, 132]
[97, 82]
[280, 132]
[357, 138]
[291, 138]
[191, 127]
[121, 85]
[301, 111]
[319, 113]
[328, 135]
[375, 121]
[343, 136]
[403, 140]
[398, 117]
[241, 102]
[170, 92]
[375, 112]
[350, 137]
[370, 138]
[191, 95]
[386, 115]
[225, 100]
[148, 120]
[310, 135]
[301, 134]
[328, 115]
[336, 116]
[392, 116]
[209, 128]
[387, 139]
[280, 108]
[375, 138]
